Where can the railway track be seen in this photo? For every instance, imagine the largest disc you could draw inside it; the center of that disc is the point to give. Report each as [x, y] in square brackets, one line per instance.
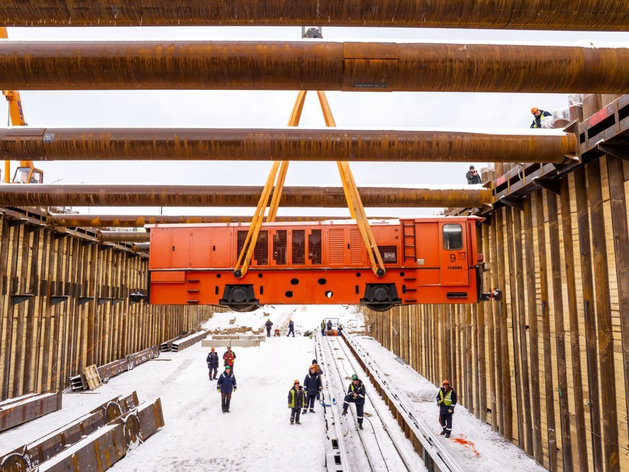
[381, 445]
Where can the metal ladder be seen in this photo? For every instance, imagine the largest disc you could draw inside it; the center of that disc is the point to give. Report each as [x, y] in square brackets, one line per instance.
[409, 241]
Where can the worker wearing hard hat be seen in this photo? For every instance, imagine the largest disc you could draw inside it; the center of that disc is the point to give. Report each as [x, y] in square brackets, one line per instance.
[212, 363]
[538, 116]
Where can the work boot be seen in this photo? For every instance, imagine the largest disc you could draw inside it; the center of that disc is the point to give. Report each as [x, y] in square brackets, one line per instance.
[447, 434]
[344, 413]
[297, 422]
[360, 426]
[292, 421]
[442, 432]
[312, 410]
[304, 412]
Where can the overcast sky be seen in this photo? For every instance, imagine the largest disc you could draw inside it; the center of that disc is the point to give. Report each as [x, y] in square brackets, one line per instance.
[242, 109]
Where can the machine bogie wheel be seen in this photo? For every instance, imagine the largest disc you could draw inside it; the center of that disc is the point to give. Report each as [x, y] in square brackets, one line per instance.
[243, 308]
[380, 308]
[15, 463]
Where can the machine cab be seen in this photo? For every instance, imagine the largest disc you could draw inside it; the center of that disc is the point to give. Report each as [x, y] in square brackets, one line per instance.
[28, 175]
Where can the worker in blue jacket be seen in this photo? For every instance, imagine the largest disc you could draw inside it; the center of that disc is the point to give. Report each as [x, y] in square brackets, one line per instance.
[212, 363]
[312, 385]
[446, 399]
[291, 328]
[355, 394]
[225, 386]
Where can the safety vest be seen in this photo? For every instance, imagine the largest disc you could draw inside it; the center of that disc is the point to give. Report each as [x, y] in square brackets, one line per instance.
[448, 399]
[292, 402]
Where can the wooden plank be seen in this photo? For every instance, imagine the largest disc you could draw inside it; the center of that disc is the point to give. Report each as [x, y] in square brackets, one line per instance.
[537, 198]
[616, 178]
[507, 406]
[555, 261]
[491, 340]
[604, 319]
[533, 329]
[587, 280]
[515, 325]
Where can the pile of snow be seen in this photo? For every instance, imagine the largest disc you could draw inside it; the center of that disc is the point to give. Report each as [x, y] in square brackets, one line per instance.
[305, 317]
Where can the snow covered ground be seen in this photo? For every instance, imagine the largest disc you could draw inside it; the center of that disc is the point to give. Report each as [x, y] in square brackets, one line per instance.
[256, 435]
[494, 453]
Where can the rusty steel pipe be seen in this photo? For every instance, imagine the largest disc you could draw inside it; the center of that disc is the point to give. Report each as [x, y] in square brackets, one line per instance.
[123, 237]
[602, 15]
[313, 65]
[294, 144]
[139, 221]
[233, 196]
[140, 247]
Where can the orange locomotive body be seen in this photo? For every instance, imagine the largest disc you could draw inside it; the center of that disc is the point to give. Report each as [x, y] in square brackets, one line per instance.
[427, 260]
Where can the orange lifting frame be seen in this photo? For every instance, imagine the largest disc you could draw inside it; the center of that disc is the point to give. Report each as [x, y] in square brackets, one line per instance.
[275, 184]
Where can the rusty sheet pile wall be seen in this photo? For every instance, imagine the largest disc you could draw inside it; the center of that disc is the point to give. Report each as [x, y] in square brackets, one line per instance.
[546, 367]
[64, 305]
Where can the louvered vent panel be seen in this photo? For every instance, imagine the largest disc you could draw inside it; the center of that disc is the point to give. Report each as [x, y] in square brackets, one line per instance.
[356, 247]
[337, 246]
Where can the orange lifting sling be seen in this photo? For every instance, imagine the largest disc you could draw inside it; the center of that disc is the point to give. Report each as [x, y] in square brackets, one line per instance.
[275, 184]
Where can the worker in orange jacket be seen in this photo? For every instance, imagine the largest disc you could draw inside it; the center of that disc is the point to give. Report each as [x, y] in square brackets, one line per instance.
[229, 357]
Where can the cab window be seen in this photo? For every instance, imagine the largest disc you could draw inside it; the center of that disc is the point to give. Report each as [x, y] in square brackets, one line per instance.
[452, 237]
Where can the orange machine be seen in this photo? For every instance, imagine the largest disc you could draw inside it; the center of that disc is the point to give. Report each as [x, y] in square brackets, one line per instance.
[427, 260]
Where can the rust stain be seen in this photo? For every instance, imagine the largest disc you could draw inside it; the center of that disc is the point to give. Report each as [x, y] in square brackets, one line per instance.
[282, 144]
[233, 196]
[246, 65]
[603, 15]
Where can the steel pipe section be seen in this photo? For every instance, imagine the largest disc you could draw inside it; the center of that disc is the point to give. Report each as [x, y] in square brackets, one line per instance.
[601, 15]
[123, 237]
[313, 65]
[139, 221]
[294, 144]
[233, 196]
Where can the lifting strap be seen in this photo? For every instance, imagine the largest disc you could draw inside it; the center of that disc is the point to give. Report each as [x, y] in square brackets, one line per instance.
[276, 179]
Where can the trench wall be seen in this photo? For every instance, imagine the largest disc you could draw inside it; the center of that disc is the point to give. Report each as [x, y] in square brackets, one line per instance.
[43, 343]
[547, 367]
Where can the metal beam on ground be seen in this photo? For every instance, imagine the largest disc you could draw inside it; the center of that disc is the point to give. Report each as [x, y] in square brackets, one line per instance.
[50, 144]
[285, 65]
[605, 15]
[234, 196]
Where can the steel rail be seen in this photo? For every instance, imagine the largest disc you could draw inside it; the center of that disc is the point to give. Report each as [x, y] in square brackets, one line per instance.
[313, 65]
[584, 15]
[443, 460]
[364, 449]
[376, 408]
[294, 144]
[345, 463]
[233, 196]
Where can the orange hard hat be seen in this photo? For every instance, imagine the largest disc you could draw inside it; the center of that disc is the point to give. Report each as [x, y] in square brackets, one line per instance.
[295, 382]
[445, 382]
[534, 110]
[212, 349]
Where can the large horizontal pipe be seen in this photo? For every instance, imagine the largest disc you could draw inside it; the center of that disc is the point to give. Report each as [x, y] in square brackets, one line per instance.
[123, 237]
[49, 144]
[139, 221]
[313, 65]
[601, 15]
[140, 247]
[232, 196]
